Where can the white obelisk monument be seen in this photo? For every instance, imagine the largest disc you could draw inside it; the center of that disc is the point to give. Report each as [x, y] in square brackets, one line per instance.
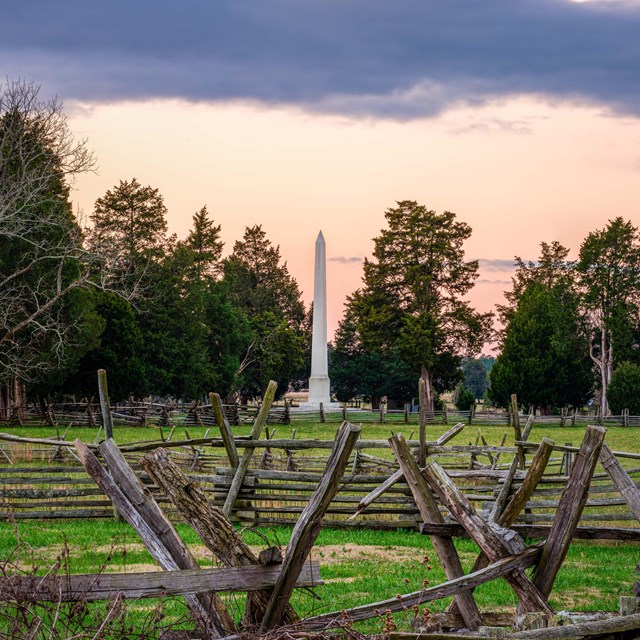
[319, 388]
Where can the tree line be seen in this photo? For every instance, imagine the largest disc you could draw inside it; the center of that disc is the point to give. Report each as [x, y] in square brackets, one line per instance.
[174, 317]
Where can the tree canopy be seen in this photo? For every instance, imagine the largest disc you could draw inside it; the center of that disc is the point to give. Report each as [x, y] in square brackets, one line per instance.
[46, 273]
[412, 298]
[609, 270]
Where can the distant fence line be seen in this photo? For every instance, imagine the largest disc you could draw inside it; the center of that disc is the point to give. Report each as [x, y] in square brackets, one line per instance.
[284, 474]
[200, 414]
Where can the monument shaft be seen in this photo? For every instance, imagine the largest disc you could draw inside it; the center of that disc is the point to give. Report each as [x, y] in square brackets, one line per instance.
[319, 385]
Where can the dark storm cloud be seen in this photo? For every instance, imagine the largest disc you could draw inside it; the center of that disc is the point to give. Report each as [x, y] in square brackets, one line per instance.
[402, 59]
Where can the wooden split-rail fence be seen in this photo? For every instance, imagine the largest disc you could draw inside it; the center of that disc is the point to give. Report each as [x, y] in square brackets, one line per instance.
[446, 500]
[283, 474]
[166, 415]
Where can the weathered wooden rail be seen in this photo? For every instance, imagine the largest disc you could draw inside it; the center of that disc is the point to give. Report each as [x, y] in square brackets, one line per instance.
[277, 486]
[172, 414]
[479, 495]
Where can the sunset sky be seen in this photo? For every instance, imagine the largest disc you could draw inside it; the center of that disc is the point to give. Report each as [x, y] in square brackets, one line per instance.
[522, 117]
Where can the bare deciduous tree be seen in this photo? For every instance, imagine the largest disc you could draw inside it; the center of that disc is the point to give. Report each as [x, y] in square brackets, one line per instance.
[43, 259]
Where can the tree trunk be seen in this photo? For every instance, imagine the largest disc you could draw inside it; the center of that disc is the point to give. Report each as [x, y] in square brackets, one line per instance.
[13, 397]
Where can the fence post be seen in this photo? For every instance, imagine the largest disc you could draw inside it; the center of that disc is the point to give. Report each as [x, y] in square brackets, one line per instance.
[344, 411]
[422, 393]
[445, 417]
[322, 419]
[406, 413]
[107, 418]
[625, 418]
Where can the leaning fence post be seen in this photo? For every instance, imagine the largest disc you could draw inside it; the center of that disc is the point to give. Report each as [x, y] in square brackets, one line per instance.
[225, 429]
[107, 418]
[569, 510]
[494, 541]
[308, 526]
[422, 400]
[626, 486]
[245, 461]
[430, 513]
[212, 526]
[155, 531]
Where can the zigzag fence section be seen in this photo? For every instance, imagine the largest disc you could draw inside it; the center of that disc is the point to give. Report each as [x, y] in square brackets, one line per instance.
[283, 473]
[173, 414]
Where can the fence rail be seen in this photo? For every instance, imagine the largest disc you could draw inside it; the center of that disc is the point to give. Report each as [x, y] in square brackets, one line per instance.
[284, 473]
[201, 414]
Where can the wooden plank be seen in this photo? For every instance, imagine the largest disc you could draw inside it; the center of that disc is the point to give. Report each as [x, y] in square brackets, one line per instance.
[450, 588]
[105, 407]
[608, 628]
[308, 526]
[515, 414]
[378, 491]
[208, 610]
[450, 434]
[430, 512]
[243, 463]
[503, 495]
[529, 484]
[569, 510]
[621, 479]
[92, 587]
[535, 531]
[225, 429]
[494, 541]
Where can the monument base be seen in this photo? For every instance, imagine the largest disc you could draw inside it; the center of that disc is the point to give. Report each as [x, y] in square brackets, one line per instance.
[319, 390]
[315, 406]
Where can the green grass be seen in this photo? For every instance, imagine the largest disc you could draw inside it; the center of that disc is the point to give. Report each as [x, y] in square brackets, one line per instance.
[621, 438]
[358, 567]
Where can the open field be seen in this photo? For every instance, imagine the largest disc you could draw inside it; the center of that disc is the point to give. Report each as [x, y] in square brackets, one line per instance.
[618, 438]
[357, 567]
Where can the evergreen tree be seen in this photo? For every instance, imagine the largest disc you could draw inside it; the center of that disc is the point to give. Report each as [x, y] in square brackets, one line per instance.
[413, 294]
[624, 389]
[476, 378]
[205, 244]
[543, 358]
[46, 318]
[129, 224]
[262, 288]
[119, 350]
[358, 372]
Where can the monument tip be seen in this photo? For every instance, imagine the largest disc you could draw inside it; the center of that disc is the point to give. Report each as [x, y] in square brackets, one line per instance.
[320, 237]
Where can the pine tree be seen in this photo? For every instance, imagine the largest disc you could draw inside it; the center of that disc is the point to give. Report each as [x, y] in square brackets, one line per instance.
[413, 294]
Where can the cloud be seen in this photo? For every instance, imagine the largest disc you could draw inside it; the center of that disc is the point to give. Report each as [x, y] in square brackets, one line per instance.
[487, 281]
[496, 264]
[346, 259]
[358, 58]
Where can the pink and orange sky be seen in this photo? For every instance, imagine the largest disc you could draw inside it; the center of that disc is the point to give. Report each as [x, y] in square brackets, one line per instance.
[522, 117]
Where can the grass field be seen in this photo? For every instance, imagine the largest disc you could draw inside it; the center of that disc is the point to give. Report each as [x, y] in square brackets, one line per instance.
[619, 438]
[357, 566]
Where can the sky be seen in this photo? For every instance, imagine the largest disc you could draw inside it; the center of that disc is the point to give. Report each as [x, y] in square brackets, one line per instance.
[521, 116]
